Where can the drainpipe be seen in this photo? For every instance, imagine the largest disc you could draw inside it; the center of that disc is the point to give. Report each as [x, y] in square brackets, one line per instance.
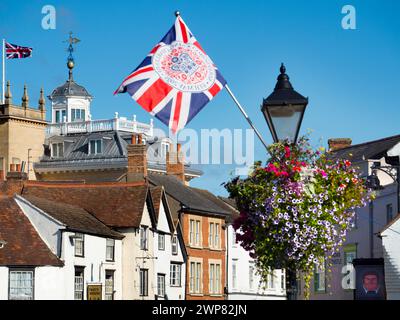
[371, 229]
[398, 190]
[227, 262]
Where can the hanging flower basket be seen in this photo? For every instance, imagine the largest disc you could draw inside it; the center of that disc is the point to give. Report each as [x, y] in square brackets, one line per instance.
[296, 210]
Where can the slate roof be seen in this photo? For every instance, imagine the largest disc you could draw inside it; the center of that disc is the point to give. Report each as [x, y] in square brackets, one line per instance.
[391, 223]
[118, 205]
[191, 198]
[232, 205]
[114, 153]
[368, 150]
[24, 246]
[219, 202]
[74, 217]
[70, 88]
[76, 146]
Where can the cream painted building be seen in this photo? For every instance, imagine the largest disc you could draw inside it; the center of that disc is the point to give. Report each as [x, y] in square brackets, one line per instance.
[22, 134]
[138, 259]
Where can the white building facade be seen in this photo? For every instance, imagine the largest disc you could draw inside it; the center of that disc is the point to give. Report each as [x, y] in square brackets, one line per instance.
[170, 263]
[91, 267]
[243, 281]
[391, 253]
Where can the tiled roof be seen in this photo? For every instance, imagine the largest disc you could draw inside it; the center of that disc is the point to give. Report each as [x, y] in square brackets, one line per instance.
[114, 204]
[191, 198]
[368, 150]
[156, 194]
[74, 217]
[24, 246]
[174, 207]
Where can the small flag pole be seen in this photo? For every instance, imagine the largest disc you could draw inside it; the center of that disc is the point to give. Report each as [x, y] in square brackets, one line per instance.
[4, 72]
[246, 116]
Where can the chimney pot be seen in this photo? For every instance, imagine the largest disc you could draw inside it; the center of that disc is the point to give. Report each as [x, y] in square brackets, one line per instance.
[133, 139]
[175, 163]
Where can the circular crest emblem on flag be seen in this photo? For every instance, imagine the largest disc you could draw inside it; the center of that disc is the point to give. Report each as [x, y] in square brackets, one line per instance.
[185, 67]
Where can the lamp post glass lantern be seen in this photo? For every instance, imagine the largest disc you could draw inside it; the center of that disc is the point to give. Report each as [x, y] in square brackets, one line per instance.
[284, 109]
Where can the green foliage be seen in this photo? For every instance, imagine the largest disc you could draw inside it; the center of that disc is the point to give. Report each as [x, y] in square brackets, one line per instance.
[297, 208]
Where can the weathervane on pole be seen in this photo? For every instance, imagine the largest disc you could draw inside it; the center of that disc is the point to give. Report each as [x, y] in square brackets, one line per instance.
[70, 61]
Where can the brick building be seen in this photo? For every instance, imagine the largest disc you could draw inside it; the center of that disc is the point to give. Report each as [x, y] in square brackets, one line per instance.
[202, 221]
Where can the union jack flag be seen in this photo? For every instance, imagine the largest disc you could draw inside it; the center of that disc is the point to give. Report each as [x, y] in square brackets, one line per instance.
[176, 79]
[17, 52]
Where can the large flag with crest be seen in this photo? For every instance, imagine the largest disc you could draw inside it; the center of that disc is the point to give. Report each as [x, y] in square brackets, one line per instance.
[176, 79]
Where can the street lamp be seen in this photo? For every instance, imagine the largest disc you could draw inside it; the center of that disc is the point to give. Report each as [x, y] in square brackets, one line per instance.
[284, 109]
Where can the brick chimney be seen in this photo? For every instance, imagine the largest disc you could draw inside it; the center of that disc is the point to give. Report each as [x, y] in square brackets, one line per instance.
[137, 159]
[175, 163]
[14, 181]
[339, 143]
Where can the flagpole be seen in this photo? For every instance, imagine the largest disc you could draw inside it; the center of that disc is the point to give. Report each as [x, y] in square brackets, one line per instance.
[4, 73]
[246, 116]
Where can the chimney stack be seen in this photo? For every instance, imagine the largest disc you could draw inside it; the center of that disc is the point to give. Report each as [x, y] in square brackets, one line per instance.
[137, 159]
[14, 181]
[175, 164]
[339, 143]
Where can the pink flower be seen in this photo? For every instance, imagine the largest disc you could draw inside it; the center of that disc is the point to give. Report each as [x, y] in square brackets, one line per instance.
[271, 168]
[287, 152]
[283, 173]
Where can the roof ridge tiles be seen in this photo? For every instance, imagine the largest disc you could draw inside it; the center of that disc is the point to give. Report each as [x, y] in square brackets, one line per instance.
[73, 184]
[368, 142]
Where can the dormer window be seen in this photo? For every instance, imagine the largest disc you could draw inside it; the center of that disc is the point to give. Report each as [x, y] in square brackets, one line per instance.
[57, 150]
[95, 146]
[60, 114]
[77, 115]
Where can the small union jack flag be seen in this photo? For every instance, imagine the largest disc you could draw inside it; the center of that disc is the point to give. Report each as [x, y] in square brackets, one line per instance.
[176, 79]
[17, 52]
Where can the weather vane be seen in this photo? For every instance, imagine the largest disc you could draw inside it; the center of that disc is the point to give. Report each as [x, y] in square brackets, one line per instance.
[70, 62]
[71, 40]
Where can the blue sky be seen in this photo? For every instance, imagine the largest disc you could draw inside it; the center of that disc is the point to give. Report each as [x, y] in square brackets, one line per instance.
[350, 76]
